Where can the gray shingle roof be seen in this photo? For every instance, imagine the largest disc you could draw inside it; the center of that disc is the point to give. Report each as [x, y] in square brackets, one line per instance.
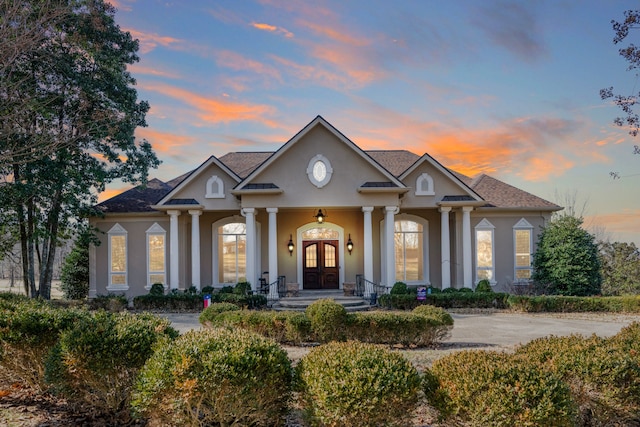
[494, 191]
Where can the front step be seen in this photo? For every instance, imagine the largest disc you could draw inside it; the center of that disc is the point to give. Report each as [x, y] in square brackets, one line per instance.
[306, 298]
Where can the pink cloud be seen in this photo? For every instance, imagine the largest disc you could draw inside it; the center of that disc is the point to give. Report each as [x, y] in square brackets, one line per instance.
[149, 41]
[272, 29]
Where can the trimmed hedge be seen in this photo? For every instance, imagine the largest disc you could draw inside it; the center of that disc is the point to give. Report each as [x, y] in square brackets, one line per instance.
[424, 327]
[187, 301]
[564, 304]
[353, 384]
[444, 299]
[215, 377]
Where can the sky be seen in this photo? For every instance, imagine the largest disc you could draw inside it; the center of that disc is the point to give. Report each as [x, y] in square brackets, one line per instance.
[506, 88]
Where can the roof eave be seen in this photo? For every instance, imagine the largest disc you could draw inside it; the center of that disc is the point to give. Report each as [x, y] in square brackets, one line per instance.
[393, 190]
[164, 208]
[257, 191]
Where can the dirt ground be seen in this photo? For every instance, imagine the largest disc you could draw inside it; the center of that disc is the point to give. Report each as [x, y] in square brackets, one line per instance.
[479, 329]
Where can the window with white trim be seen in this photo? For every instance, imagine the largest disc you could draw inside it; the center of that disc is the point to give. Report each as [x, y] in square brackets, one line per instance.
[117, 247]
[424, 185]
[215, 188]
[485, 252]
[409, 244]
[232, 253]
[156, 255]
[522, 243]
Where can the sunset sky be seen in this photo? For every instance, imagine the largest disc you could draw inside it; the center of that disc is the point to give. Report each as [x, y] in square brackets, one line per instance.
[508, 88]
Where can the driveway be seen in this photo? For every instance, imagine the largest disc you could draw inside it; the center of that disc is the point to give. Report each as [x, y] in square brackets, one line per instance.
[496, 329]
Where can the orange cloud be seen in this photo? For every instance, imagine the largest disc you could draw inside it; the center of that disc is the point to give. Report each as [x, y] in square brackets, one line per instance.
[213, 111]
[272, 29]
[151, 71]
[149, 41]
[164, 142]
[111, 192]
[235, 61]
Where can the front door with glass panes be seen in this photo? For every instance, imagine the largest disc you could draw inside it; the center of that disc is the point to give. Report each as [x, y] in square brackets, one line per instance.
[320, 268]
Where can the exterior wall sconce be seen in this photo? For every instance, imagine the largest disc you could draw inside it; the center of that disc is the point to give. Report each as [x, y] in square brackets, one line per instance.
[320, 216]
[349, 244]
[290, 245]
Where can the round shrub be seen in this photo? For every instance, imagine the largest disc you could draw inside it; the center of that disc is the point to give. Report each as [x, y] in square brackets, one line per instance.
[156, 289]
[484, 286]
[242, 288]
[215, 377]
[488, 388]
[209, 313]
[74, 277]
[399, 288]
[433, 312]
[449, 290]
[207, 290]
[328, 319]
[97, 359]
[354, 384]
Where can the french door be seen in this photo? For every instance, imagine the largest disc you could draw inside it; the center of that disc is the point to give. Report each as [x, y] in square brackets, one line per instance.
[320, 264]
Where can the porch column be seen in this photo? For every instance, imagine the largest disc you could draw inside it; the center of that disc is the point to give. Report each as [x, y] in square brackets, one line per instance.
[174, 249]
[273, 253]
[195, 247]
[368, 251]
[249, 214]
[445, 247]
[466, 246]
[390, 255]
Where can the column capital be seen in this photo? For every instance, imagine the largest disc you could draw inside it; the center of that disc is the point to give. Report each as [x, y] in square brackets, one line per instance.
[272, 210]
[391, 209]
[246, 211]
[173, 212]
[467, 208]
[445, 209]
[367, 209]
[195, 212]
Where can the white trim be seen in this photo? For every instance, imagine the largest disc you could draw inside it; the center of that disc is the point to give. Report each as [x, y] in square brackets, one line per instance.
[156, 230]
[423, 179]
[300, 259]
[485, 225]
[522, 225]
[219, 193]
[115, 231]
[426, 274]
[214, 247]
[319, 159]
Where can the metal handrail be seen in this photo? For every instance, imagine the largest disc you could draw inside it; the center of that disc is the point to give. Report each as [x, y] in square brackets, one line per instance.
[368, 289]
[282, 286]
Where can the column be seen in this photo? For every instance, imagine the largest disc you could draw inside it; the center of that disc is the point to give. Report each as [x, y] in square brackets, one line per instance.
[390, 253]
[368, 251]
[174, 249]
[466, 246]
[273, 253]
[195, 247]
[445, 247]
[249, 214]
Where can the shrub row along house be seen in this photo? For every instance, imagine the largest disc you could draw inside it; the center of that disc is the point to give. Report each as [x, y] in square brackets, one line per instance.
[318, 212]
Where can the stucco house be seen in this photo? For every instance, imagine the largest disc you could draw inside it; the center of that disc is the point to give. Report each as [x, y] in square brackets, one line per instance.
[317, 213]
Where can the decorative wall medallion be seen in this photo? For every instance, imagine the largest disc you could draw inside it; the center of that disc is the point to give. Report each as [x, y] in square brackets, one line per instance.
[319, 171]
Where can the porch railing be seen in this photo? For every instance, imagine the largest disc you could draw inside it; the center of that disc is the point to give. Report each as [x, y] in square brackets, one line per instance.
[274, 290]
[369, 290]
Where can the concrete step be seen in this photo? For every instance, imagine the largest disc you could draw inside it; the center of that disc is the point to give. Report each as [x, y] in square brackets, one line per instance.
[306, 298]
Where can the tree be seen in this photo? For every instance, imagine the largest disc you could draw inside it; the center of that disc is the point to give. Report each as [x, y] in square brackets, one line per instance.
[82, 102]
[566, 260]
[620, 268]
[632, 54]
[75, 271]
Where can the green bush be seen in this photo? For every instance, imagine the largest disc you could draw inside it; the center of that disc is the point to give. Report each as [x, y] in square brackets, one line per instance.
[207, 290]
[74, 277]
[354, 384]
[156, 289]
[242, 288]
[385, 327]
[488, 388]
[214, 309]
[433, 312]
[215, 377]
[97, 358]
[110, 302]
[399, 288]
[29, 329]
[327, 320]
[558, 303]
[484, 286]
[446, 299]
[603, 374]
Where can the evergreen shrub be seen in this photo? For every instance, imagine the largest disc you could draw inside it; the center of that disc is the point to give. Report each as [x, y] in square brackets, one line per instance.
[484, 286]
[354, 384]
[215, 377]
[482, 388]
[96, 360]
[327, 319]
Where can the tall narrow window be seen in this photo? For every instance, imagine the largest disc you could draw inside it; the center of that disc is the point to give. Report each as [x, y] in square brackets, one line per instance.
[409, 250]
[156, 255]
[117, 237]
[485, 252]
[522, 242]
[232, 254]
